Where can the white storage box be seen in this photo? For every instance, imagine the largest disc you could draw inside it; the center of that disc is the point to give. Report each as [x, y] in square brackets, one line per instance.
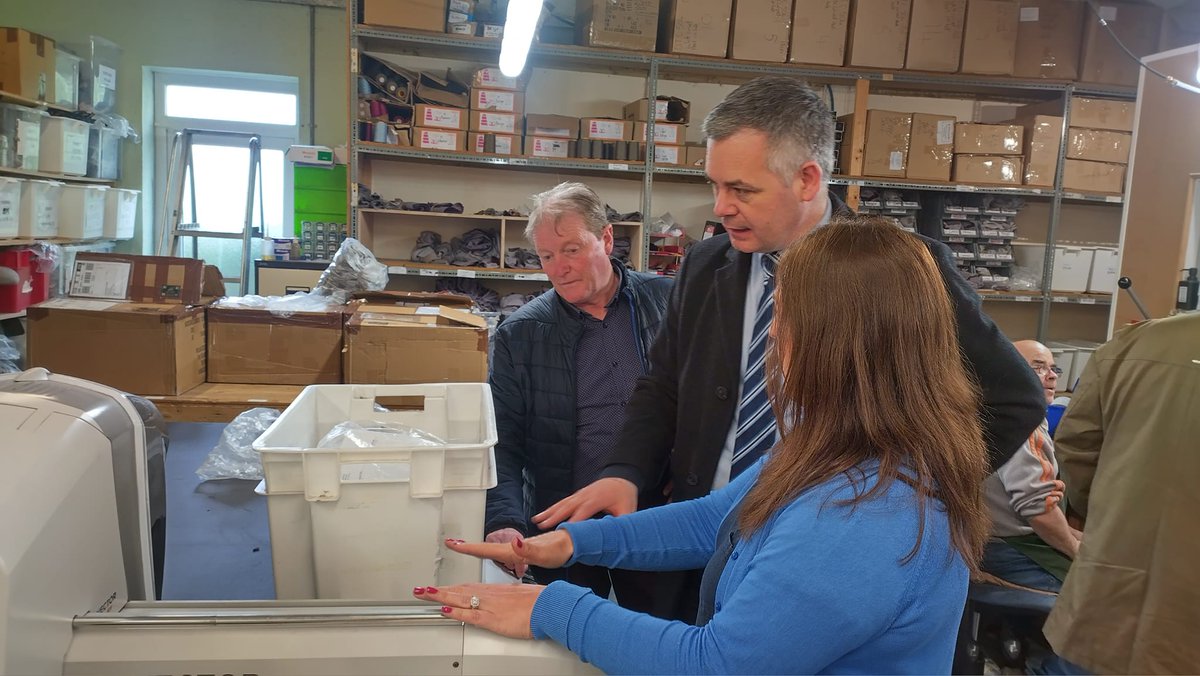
[1064, 358]
[20, 134]
[39, 209]
[81, 211]
[64, 146]
[1106, 268]
[120, 213]
[1072, 269]
[369, 523]
[1083, 353]
[10, 206]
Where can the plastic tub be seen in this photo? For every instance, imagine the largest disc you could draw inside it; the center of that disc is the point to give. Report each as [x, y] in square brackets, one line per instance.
[39, 209]
[20, 136]
[66, 79]
[104, 153]
[120, 213]
[64, 146]
[81, 211]
[16, 287]
[369, 523]
[98, 75]
[10, 206]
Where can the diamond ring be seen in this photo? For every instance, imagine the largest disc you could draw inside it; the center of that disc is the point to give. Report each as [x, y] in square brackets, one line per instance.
[474, 603]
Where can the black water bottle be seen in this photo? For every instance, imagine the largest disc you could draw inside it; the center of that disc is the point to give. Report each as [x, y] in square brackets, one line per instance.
[1189, 291]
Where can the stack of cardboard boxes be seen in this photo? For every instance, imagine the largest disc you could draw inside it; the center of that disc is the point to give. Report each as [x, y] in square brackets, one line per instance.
[988, 153]
[916, 146]
[671, 116]
[1099, 138]
[497, 113]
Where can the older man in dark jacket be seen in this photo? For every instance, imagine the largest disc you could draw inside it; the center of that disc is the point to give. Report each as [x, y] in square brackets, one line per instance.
[563, 369]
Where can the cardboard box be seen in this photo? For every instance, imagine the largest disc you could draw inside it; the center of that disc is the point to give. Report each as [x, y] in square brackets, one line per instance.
[990, 37]
[988, 139]
[1106, 269]
[1099, 145]
[26, 64]
[886, 151]
[931, 147]
[665, 154]
[498, 100]
[492, 78]
[435, 139]
[879, 33]
[1103, 61]
[441, 90]
[1101, 177]
[1043, 137]
[1072, 268]
[1049, 33]
[935, 35]
[555, 126]
[988, 169]
[465, 28]
[694, 155]
[440, 117]
[548, 146]
[819, 32]
[146, 279]
[1102, 114]
[495, 123]
[427, 15]
[664, 132]
[666, 109]
[258, 347]
[494, 144]
[630, 24]
[139, 348]
[402, 345]
[698, 27]
[491, 30]
[761, 30]
[605, 129]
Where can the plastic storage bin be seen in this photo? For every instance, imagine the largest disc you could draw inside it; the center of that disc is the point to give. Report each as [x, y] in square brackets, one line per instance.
[10, 206]
[369, 523]
[104, 153]
[120, 213]
[98, 75]
[64, 146]
[20, 136]
[66, 79]
[81, 211]
[16, 287]
[39, 209]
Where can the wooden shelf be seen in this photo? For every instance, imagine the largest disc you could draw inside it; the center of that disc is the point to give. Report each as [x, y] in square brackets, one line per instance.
[220, 402]
[61, 241]
[8, 97]
[26, 173]
[415, 269]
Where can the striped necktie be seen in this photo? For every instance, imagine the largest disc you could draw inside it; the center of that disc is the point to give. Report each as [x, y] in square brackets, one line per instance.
[755, 420]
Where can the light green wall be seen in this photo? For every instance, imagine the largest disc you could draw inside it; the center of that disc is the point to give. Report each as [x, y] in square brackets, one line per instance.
[246, 36]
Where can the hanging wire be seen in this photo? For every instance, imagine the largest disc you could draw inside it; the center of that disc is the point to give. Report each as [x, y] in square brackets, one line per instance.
[1173, 81]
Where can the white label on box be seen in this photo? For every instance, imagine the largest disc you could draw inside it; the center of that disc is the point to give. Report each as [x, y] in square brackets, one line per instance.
[616, 166]
[498, 123]
[28, 136]
[457, 17]
[493, 30]
[439, 140]
[1108, 12]
[612, 130]
[469, 274]
[107, 77]
[667, 154]
[492, 77]
[1029, 14]
[504, 145]
[505, 102]
[660, 110]
[945, 132]
[462, 28]
[463, 6]
[666, 133]
[101, 279]
[551, 147]
[450, 118]
[895, 160]
[75, 149]
[427, 272]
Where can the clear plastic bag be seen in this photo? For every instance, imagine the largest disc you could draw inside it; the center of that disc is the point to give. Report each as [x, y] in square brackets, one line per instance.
[374, 433]
[1025, 279]
[234, 457]
[9, 350]
[46, 256]
[281, 306]
[9, 367]
[353, 269]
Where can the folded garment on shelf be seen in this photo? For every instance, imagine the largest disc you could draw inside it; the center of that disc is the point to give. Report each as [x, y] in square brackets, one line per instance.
[487, 300]
[476, 248]
[524, 259]
[615, 216]
[430, 249]
[515, 213]
[621, 249]
[372, 200]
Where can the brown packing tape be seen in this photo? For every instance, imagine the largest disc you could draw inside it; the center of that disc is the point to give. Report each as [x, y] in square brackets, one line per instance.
[224, 315]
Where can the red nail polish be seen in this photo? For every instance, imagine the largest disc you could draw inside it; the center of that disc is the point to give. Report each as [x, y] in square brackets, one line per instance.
[431, 590]
[446, 609]
[417, 591]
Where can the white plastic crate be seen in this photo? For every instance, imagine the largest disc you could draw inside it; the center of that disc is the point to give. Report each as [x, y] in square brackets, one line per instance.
[10, 206]
[81, 211]
[64, 146]
[120, 213]
[369, 523]
[39, 209]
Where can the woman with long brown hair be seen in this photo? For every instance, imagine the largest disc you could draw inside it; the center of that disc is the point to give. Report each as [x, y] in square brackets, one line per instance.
[848, 547]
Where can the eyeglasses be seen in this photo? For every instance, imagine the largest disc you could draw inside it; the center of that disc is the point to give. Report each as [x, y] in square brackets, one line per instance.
[1041, 369]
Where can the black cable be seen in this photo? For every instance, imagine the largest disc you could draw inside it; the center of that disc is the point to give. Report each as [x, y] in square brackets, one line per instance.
[1175, 82]
[832, 107]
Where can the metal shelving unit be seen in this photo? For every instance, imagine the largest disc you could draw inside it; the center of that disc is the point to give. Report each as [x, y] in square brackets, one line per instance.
[654, 67]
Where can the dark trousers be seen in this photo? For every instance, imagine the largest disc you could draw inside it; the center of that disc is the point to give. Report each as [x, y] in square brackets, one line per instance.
[671, 595]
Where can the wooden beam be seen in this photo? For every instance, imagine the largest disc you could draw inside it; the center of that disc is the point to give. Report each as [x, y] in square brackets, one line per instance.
[858, 138]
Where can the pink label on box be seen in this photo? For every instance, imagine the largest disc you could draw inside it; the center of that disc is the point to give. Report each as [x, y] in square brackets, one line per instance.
[549, 147]
[449, 118]
[498, 123]
[438, 140]
[612, 130]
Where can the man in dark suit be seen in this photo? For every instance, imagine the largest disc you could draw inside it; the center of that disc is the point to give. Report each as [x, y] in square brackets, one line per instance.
[698, 416]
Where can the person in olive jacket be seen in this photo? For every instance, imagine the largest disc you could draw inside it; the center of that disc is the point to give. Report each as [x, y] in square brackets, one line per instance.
[699, 416]
[563, 368]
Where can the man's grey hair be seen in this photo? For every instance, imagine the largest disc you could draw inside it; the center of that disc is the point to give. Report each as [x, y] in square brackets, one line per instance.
[798, 124]
[563, 199]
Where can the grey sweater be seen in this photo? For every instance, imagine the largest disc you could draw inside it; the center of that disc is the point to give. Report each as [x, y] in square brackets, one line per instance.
[1024, 487]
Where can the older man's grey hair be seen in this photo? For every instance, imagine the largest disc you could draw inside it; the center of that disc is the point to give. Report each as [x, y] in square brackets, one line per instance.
[798, 124]
[564, 199]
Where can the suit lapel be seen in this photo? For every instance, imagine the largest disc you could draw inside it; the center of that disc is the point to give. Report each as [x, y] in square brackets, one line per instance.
[729, 289]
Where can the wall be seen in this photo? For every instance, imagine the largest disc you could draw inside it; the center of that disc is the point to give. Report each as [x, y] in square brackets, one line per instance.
[227, 35]
[1166, 153]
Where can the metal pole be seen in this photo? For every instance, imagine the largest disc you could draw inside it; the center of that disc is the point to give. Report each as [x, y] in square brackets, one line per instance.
[648, 168]
[1055, 209]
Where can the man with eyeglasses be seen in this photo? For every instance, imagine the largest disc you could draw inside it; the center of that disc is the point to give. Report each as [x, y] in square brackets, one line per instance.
[1032, 544]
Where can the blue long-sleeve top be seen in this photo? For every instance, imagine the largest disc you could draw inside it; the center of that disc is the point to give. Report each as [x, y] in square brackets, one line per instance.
[821, 588]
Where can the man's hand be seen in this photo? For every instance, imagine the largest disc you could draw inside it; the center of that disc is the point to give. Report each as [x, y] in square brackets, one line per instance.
[612, 495]
[506, 536]
[549, 550]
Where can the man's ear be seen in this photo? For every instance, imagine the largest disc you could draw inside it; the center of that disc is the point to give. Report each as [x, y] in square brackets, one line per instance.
[807, 181]
[606, 239]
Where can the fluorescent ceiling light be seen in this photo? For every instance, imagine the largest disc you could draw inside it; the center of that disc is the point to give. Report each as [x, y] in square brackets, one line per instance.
[519, 27]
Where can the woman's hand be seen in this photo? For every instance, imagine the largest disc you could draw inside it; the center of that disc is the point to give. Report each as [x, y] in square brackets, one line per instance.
[550, 550]
[505, 609]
